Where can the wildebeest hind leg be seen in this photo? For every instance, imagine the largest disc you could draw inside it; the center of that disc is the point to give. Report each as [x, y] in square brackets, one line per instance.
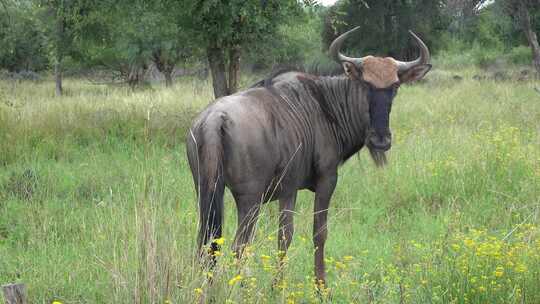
[248, 212]
[285, 231]
[286, 224]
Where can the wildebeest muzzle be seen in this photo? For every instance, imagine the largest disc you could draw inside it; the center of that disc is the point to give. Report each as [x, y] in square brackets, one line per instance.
[380, 105]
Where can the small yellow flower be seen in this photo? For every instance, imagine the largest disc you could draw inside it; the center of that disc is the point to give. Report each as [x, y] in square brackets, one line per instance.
[56, 302]
[499, 271]
[235, 280]
[348, 258]
[167, 302]
[217, 253]
[220, 241]
[469, 243]
[198, 291]
[340, 265]
[521, 268]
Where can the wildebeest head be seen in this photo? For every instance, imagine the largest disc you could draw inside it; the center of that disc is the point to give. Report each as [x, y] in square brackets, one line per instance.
[382, 77]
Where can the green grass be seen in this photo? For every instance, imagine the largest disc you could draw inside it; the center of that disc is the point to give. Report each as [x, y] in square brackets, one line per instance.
[97, 203]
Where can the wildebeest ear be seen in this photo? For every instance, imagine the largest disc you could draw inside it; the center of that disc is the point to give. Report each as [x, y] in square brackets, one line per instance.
[351, 70]
[414, 73]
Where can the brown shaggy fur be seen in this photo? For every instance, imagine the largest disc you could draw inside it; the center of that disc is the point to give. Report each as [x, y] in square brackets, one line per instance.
[380, 72]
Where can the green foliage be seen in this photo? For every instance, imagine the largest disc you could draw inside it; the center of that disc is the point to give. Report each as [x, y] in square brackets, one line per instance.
[492, 28]
[58, 22]
[22, 44]
[296, 41]
[520, 55]
[238, 22]
[384, 25]
[491, 38]
[484, 56]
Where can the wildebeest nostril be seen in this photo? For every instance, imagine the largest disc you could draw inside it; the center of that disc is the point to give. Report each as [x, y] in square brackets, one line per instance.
[381, 142]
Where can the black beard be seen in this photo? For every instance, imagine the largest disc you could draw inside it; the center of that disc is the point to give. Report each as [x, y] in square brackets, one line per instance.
[378, 156]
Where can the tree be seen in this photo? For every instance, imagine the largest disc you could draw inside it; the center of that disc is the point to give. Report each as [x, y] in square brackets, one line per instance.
[171, 37]
[384, 25]
[22, 44]
[463, 11]
[227, 27]
[58, 19]
[296, 42]
[126, 36]
[519, 10]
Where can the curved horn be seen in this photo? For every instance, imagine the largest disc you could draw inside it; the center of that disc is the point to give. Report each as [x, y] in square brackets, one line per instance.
[423, 59]
[335, 49]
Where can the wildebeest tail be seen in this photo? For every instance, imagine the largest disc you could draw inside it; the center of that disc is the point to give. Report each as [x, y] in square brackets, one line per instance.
[205, 154]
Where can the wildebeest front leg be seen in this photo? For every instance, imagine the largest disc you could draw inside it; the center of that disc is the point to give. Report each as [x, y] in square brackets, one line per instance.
[323, 192]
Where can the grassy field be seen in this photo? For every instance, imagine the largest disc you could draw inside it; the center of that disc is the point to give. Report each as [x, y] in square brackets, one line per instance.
[97, 203]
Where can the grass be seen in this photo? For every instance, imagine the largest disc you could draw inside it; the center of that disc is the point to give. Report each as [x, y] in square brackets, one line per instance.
[97, 203]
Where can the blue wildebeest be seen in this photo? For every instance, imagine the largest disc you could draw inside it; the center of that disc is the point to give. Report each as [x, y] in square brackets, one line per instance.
[292, 132]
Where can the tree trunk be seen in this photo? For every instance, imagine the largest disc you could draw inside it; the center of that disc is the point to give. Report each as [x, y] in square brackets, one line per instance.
[60, 45]
[168, 78]
[525, 21]
[216, 61]
[58, 78]
[135, 75]
[164, 66]
[234, 68]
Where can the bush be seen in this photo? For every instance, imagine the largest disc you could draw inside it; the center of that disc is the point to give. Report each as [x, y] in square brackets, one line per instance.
[485, 57]
[520, 55]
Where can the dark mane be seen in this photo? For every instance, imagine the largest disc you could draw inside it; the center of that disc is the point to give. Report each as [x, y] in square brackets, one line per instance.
[267, 82]
[315, 69]
[322, 68]
[308, 83]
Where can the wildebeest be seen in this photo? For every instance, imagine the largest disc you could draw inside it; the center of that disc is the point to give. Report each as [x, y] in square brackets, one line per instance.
[292, 132]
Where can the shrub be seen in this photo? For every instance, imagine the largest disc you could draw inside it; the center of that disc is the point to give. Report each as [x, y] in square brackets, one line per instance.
[520, 55]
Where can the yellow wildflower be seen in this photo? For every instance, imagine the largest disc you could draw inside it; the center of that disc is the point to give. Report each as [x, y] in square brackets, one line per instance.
[198, 290]
[235, 280]
[220, 241]
[348, 258]
[56, 302]
[499, 271]
[340, 265]
[521, 268]
[469, 242]
[265, 257]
